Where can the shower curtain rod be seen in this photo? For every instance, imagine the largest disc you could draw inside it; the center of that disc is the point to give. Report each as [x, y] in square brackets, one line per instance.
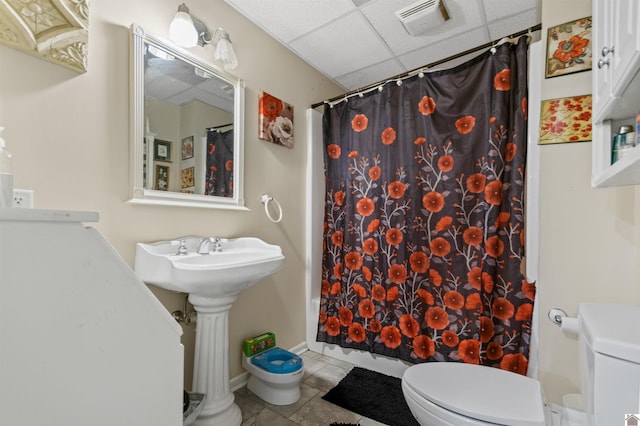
[220, 126]
[424, 68]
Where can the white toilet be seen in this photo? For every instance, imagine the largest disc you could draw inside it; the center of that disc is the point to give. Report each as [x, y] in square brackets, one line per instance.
[275, 373]
[457, 394]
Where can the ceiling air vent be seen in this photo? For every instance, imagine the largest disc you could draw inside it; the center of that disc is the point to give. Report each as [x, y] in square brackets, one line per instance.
[421, 16]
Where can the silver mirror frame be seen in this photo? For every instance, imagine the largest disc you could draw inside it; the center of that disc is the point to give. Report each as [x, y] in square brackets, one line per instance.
[141, 195]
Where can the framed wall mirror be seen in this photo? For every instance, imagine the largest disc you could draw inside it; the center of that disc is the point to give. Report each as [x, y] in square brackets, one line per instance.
[187, 122]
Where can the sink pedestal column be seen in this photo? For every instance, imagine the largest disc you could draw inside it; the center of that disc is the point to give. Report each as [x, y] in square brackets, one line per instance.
[211, 366]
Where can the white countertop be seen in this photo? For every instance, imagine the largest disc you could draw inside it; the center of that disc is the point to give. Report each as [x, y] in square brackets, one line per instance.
[35, 215]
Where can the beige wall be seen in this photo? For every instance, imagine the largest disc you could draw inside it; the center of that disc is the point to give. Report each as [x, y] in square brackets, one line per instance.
[588, 237]
[69, 134]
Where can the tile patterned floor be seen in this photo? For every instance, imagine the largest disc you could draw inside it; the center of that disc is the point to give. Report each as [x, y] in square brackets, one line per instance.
[321, 374]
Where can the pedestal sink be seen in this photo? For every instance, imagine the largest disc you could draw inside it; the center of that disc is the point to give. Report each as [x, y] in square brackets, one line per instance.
[213, 281]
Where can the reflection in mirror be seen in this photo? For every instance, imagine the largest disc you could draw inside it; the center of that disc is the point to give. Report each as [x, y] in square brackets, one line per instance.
[187, 122]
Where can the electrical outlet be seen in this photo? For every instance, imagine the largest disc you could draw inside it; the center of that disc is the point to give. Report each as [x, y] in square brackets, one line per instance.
[23, 198]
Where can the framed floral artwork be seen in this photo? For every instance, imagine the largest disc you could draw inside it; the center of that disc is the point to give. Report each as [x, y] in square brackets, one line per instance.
[162, 151]
[569, 48]
[186, 177]
[275, 120]
[565, 120]
[187, 148]
[162, 178]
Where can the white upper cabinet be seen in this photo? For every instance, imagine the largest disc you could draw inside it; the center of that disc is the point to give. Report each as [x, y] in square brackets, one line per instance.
[616, 87]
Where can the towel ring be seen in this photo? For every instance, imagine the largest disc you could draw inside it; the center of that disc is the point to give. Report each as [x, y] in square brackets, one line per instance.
[266, 199]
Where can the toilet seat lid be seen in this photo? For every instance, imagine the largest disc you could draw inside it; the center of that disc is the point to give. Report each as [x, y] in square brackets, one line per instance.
[483, 393]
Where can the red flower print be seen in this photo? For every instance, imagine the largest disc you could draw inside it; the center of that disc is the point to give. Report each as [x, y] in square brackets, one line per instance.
[366, 309]
[378, 293]
[473, 302]
[333, 326]
[335, 288]
[375, 325]
[353, 260]
[374, 173]
[476, 182]
[370, 246]
[453, 300]
[510, 151]
[444, 223]
[212, 148]
[474, 276]
[392, 294]
[373, 226]
[523, 105]
[419, 262]
[524, 312]
[473, 236]
[494, 247]
[334, 151]
[419, 141]
[393, 236]
[529, 289]
[339, 197]
[365, 206]
[516, 363]
[502, 308]
[388, 136]
[270, 107]
[487, 282]
[502, 80]
[570, 49]
[469, 351]
[357, 332]
[440, 247]
[426, 297]
[435, 278]
[409, 326]
[445, 163]
[336, 238]
[503, 219]
[366, 273]
[433, 201]
[345, 315]
[492, 120]
[396, 189]
[337, 270]
[450, 338]
[493, 193]
[322, 317]
[436, 318]
[427, 105]
[486, 329]
[353, 154]
[359, 122]
[423, 347]
[359, 290]
[397, 273]
[324, 287]
[228, 166]
[390, 336]
[465, 124]
[494, 351]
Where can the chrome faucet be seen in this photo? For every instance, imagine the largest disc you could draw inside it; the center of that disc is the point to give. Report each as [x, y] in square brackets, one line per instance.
[205, 244]
[182, 250]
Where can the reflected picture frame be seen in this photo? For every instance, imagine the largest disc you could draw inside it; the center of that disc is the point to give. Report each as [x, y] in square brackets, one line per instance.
[187, 148]
[162, 150]
[161, 181]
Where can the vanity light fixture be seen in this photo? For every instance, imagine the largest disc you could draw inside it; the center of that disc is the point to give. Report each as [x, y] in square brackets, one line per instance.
[187, 31]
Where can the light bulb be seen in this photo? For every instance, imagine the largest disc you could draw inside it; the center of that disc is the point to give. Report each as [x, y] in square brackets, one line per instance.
[182, 31]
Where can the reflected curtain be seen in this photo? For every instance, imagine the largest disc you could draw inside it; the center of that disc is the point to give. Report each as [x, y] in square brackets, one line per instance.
[424, 223]
[219, 177]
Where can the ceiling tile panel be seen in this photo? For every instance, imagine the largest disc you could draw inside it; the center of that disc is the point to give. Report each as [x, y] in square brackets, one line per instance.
[498, 9]
[370, 75]
[513, 24]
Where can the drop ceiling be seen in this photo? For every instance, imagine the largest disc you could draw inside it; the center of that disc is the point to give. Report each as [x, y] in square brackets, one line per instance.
[360, 42]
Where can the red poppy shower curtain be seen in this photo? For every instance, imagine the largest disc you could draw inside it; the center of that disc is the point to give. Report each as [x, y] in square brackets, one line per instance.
[424, 217]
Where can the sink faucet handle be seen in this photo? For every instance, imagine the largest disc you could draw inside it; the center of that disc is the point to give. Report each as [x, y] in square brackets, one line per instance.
[217, 244]
[182, 250]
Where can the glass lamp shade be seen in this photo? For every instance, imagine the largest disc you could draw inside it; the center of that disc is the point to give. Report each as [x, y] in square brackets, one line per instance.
[225, 55]
[182, 31]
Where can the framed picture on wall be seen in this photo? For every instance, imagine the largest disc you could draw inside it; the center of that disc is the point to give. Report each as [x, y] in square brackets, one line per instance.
[275, 120]
[162, 150]
[187, 148]
[569, 48]
[162, 178]
[565, 120]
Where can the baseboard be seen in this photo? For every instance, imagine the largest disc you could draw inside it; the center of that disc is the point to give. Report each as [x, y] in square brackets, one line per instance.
[241, 380]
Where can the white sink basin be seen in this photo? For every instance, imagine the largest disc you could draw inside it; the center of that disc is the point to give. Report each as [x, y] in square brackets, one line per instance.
[241, 263]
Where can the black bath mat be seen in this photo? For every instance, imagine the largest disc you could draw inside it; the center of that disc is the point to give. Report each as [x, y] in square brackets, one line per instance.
[373, 395]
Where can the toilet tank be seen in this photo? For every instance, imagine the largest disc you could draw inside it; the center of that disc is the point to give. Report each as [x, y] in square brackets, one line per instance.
[610, 344]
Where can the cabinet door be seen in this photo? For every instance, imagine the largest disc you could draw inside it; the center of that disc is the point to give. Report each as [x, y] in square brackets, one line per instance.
[625, 59]
[601, 38]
